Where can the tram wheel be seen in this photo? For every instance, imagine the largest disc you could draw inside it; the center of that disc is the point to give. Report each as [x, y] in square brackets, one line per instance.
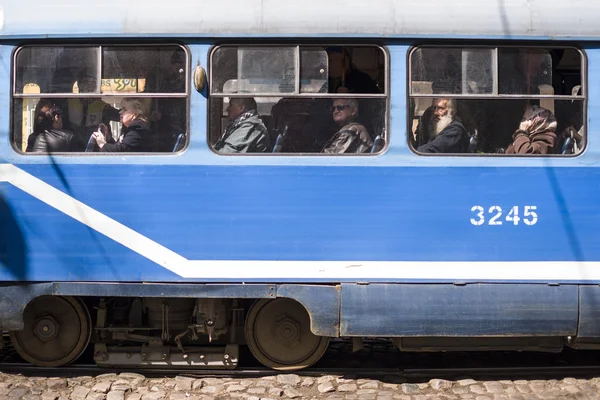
[57, 330]
[278, 335]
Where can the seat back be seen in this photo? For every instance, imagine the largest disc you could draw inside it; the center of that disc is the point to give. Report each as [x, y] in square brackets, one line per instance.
[278, 146]
[378, 144]
[179, 142]
[91, 144]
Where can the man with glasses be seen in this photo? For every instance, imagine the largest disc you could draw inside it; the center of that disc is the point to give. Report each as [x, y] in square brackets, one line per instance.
[353, 137]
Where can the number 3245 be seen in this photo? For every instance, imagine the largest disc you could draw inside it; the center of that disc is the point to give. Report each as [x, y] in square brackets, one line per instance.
[495, 215]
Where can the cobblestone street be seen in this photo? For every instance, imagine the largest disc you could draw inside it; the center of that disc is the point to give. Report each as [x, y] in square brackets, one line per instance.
[131, 386]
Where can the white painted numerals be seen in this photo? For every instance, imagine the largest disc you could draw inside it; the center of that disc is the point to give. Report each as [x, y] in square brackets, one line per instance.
[494, 214]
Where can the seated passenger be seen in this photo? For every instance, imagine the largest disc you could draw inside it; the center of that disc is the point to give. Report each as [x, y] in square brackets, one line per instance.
[246, 133]
[86, 114]
[536, 133]
[449, 134]
[52, 138]
[353, 137]
[135, 132]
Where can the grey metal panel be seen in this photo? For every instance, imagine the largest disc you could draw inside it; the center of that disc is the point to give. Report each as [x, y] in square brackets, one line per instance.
[210, 291]
[13, 300]
[589, 311]
[322, 303]
[449, 310]
[505, 18]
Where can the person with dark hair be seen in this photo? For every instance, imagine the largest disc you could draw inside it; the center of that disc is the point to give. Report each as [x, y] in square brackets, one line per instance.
[536, 133]
[135, 133]
[447, 133]
[51, 137]
[344, 77]
[353, 137]
[246, 133]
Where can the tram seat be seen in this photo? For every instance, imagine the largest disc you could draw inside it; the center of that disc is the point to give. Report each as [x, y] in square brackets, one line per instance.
[378, 144]
[91, 144]
[568, 146]
[279, 141]
[179, 142]
[473, 142]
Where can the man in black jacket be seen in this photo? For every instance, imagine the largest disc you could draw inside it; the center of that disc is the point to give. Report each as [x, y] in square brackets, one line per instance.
[450, 134]
[52, 138]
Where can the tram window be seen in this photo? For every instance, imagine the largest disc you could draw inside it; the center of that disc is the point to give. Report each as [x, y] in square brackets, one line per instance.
[278, 99]
[69, 82]
[504, 100]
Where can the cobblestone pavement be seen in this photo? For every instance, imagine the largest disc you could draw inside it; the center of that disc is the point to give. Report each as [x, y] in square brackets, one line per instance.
[131, 386]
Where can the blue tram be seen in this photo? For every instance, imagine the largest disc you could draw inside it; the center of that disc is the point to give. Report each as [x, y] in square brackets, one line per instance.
[180, 179]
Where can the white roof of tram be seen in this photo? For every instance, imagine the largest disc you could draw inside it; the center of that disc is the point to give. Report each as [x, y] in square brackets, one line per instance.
[366, 18]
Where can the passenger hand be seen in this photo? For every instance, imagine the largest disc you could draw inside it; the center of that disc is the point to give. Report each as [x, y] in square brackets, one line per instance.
[100, 139]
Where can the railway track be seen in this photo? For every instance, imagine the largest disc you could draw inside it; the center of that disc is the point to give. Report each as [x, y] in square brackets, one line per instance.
[389, 374]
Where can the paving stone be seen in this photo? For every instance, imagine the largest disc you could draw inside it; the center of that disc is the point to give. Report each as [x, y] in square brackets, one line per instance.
[410, 388]
[292, 393]
[51, 395]
[370, 385]
[134, 396]
[477, 389]
[460, 390]
[212, 389]
[347, 387]
[79, 393]
[18, 392]
[235, 388]
[275, 392]
[102, 387]
[440, 384]
[326, 378]
[493, 387]
[466, 382]
[288, 379]
[366, 391]
[95, 396]
[307, 382]
[122, 385]
[198, 384]
[178, 396]
[115, 395]
[106, 376]
[56, 383]
[326, 387]
[153, 396]
[131, 375]
[183, 383]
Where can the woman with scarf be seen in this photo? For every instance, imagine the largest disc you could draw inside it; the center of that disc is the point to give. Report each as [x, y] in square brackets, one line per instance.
[536, 133]
[246, 133]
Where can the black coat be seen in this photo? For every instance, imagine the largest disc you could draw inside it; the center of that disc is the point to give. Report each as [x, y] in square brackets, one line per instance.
[453, 139]
[134, 138]
[56, 141]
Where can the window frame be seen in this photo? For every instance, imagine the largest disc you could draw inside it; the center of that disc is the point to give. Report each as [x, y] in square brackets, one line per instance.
[97, 93]
[299, 95]
[583, 98]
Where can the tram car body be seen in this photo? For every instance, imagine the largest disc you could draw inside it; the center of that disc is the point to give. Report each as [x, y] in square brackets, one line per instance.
[178, 254]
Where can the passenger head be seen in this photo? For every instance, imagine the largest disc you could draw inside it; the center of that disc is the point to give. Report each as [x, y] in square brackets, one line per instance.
[444, 114]
[344, 110]
[537, 119]
[86, 82]
[339, 61]
[239, 105]
[49, 116]
[132, 110]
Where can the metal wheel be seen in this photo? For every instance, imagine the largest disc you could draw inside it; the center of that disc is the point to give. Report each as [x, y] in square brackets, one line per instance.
[278, 335]
[57, 330]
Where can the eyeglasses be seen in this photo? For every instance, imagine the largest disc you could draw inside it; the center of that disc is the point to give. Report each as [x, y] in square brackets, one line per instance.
[339, 107]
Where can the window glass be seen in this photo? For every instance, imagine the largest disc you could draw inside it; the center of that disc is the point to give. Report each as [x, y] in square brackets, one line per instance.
[54, 69]
[260, 103]
[533, 105]
[62, 103]
[454, 70]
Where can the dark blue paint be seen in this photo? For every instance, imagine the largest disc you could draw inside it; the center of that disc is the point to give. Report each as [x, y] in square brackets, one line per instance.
[448, 310]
